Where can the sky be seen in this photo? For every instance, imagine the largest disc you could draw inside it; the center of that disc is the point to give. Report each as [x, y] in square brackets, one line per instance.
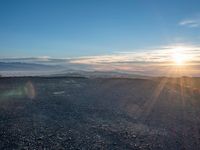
[122, 30]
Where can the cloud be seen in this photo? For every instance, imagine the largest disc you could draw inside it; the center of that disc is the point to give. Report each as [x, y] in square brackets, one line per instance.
[156, 55]
[156, 61]
[192, 23]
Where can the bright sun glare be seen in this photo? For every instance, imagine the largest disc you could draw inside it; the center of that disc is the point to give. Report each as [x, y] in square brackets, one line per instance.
[178, 56]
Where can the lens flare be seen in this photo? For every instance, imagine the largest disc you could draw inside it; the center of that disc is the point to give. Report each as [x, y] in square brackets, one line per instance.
[20, 91]
[30, 90]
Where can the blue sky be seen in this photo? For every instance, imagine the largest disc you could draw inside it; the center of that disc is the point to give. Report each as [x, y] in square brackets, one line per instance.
[74, 28]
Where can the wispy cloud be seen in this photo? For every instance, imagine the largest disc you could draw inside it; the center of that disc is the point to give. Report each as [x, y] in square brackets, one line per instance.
[192, 23]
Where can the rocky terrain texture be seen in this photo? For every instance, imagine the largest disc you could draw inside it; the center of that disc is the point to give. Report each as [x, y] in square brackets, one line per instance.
[80, 113]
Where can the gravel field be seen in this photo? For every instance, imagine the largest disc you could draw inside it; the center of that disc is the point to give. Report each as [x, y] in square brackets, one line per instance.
[41, 113]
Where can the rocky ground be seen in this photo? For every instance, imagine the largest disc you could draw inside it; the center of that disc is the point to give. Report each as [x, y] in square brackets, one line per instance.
[80, 113]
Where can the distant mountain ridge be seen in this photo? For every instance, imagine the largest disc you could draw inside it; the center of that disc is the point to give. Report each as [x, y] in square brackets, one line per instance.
[21, 66]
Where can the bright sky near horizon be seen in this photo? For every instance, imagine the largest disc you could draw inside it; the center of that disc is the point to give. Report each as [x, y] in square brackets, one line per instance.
[74, 28]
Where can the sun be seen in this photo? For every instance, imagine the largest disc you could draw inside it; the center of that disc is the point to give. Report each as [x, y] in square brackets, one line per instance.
[178, 56]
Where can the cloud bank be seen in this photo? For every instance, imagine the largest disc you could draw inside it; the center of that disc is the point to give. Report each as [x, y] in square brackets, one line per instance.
[150, 62]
